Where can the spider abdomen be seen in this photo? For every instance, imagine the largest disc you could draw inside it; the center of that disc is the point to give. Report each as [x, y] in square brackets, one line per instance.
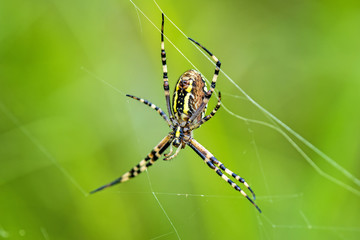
[188, 95]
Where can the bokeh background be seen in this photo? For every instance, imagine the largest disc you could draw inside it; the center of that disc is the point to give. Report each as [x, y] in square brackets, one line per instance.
[66, 126]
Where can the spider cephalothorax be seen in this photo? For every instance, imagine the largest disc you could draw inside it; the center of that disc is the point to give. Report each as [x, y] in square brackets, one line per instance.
[186, 113]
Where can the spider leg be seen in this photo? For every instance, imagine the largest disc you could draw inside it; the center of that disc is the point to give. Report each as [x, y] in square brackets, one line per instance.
[168, 157]
[165, 76]
[207, 118]
[153, 106]
[141, 166]
[211, 161]
[213, 82]
[231, 173]
[170, 152]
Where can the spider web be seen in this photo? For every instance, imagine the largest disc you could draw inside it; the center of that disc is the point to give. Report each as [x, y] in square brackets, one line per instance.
[284, 130]
[285, 213]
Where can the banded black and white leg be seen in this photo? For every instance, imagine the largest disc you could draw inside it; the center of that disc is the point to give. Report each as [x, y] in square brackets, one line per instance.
[153, 106]
[208, 117]
[165, 72]
[231, 173]
[217, 166]
[213, 82]
[142, 165]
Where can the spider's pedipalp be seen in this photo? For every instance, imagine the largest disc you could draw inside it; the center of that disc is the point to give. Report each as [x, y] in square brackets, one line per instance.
[170, 152]
[169, 157]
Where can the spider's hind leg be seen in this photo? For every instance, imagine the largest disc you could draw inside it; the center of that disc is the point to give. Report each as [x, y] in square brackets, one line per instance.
[217, 166]
[141, 166]
[231, 173]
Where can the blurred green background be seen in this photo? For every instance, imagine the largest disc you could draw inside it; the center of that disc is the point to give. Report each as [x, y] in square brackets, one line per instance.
[66, 126]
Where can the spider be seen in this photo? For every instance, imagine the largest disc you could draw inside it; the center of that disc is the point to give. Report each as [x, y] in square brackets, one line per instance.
[186, 113]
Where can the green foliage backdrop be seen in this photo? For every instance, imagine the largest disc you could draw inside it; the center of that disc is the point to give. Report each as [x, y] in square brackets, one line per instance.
[66, 126]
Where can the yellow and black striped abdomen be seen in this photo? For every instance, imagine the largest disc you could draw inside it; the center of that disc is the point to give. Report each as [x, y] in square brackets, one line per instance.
[188, 95]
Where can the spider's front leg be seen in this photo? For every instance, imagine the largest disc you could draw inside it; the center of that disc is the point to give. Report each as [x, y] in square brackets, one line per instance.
[216, 165]
[143, 165]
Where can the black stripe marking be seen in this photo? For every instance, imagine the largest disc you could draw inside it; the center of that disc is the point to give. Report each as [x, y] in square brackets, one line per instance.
[162, 27]
[222, 167]
[210, 165]
[218, 171]
[201, 47]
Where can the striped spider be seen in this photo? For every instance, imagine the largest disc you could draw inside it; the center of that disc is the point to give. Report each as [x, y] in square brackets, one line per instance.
[186, 113]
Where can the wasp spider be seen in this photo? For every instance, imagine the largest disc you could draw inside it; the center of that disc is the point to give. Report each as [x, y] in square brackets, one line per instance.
[186, 113]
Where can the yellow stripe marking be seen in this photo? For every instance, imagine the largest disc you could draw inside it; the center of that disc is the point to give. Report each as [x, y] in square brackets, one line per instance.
[186, 103]
[187, 97]
[177, 134]
[189, 88]
[175, 101]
